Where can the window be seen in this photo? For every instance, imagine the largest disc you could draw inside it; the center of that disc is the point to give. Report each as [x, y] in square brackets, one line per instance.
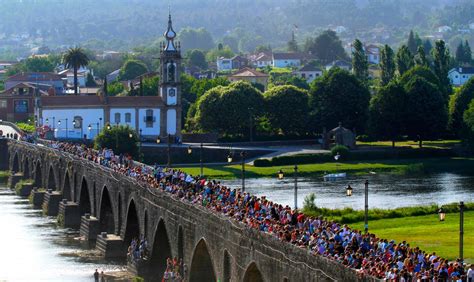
[128, 117]
[149, 118]
[117, 118]
[303, 75]
[3, 103]
[21, 106]
[77, 122]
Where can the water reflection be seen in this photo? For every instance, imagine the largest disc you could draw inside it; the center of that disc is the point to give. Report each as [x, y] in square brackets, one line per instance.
[385, 191]
[33, 249]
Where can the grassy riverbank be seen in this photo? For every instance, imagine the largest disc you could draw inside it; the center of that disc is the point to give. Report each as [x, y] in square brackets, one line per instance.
[3, 176]
[428, 233]
[402, 166]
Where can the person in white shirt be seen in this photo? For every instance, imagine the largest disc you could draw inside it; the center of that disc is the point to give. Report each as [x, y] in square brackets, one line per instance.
[470, 273]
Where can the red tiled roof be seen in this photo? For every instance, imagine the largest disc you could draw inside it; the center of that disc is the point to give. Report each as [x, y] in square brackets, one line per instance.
[32, 76]
[248, 72]
[72, 101]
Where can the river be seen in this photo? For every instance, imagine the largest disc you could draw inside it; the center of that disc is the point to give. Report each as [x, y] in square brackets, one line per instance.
[385, 190]
[34, 249]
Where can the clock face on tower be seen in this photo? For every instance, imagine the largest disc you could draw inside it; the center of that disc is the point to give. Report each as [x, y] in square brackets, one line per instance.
[171, 99]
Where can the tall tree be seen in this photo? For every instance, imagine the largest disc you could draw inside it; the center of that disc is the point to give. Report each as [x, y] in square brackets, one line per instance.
[467, 52]
[75, 58]
[196, 58]
[427, 46]
[411, 44]
[292, 44]
[327, 47]
[441, 63]
[360, 66]
[420, 57]
[339, 97]
[460, 54]
[404, 59]
[388, 112]
[458, 103]
[387, 64]
[287, 109]
[427, 116]
[468, 118]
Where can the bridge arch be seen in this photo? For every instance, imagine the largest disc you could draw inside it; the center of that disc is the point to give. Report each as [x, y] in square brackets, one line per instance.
[120, 215]
[180, 242]
[145, 225]
[253, 274]
[227, 267]
[202, 268]
[132, 225]
[51, 179]
[38, 175]
[16, 163]
[67, 187]
[161, 251]
[106, 212]
[26, 168]
[84, 198]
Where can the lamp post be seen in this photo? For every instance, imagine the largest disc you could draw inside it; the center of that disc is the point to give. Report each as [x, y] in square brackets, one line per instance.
[100, 122]
[336, 158]
[349, 191]
[169, 150]
[242, 155]
[280, 175]
[441, 214]
[140, 143]
[59, 125]
[296, 186]
[461, 231]
[366, 215]
[190, 151]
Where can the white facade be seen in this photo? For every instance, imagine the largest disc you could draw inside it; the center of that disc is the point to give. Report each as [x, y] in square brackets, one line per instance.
[56, 119]
[309, 76]
[123, 116]
[286, 63]
[224, 64]
[149, 121]
[458, 77]
[171, 122]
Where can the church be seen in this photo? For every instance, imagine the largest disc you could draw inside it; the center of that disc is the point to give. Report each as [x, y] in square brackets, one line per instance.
[153, 117]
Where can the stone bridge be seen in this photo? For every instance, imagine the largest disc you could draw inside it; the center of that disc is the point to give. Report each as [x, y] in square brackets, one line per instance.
[214, 247]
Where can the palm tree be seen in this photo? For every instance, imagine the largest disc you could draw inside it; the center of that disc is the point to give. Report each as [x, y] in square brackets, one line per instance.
[75, 58]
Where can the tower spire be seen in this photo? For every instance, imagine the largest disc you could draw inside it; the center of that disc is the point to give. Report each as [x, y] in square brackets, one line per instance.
[170, 34]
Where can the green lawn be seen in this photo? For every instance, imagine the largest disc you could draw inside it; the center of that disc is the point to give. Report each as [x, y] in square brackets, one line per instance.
[462, 165]
[439, 144]
[428, 233]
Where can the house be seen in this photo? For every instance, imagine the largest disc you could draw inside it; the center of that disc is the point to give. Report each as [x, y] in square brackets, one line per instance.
[69, 77]
[18, 102]
[109, 55]
[261, 59]
[113, 76]
[444, 29]
[461, 75]
[250, 75]
[285, 60]
[308, 72]
[372, 52]
[55, 81]
[236, 62]
[339, 64]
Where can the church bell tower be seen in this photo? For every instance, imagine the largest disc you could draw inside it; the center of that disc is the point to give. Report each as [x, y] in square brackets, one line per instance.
[170, 90]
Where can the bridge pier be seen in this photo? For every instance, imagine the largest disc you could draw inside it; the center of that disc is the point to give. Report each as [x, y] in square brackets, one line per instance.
[24, 190]
[13, 179]
[37, 198]
[51, 203]
[89, 228]
[69, 215]
[111, 246]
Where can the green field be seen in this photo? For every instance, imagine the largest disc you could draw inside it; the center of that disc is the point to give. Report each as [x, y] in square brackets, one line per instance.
[460, 165]
[428, 233]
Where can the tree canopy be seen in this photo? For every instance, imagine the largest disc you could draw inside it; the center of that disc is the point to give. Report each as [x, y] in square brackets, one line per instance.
[327, 47]
[132, 69]
[118, 138]
[458, 103]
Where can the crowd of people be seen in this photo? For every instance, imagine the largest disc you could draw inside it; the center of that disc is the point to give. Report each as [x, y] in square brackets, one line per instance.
[365, 253]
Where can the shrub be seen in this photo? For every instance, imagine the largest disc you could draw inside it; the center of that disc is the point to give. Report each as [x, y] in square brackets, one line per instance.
[342, 150]
[309, 202]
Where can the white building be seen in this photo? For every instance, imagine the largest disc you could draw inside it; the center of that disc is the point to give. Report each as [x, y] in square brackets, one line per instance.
[285, 60]
[309, 73]
[461, 75]
[372, 52]
[339, 64]
[224, 64]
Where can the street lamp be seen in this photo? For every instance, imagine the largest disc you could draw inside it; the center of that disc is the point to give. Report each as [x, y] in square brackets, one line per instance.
[200, 160]
[158, 141]
[108, 126]
[130, 135]
[280, 175]
[89, 127]
[461, 231]
[349, 191]
[242, 155]
[98, 125]
[441, 214]
[296, 186]
[59, 125]
[229, 158]
[366, 215]
[190, 150]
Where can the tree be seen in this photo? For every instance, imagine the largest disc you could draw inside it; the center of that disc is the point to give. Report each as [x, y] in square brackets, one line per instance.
[196, 58]
[441, 63]
[360, 66]
[132, 69]
[277, 79]
[404, 59]
[118, 139]
[75, 58]
[388, 112]
[115, 88]
[460, 53]
[212, 55]
[467, 53]
[458, 103]
[287, 109]
[411, 44]
[427, 115]
[149, 86]
[39, 64]
[339, 97]
[292, 44]
[420, 57]
[196, 39]
[327, 47]
[387, 65]
[468, 118]
[427, 46]
[90, 82]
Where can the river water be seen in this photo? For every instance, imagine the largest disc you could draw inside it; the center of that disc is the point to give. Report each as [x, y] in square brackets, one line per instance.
[34, 249]
[385, 191]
